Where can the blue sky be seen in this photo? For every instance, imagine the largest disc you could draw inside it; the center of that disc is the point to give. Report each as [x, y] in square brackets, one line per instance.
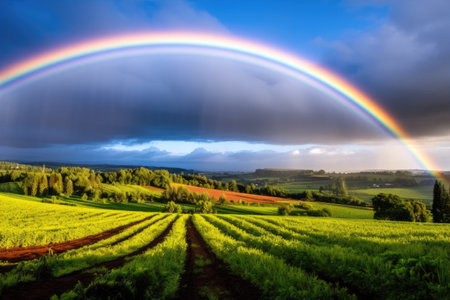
[210, 113]
[295, 25]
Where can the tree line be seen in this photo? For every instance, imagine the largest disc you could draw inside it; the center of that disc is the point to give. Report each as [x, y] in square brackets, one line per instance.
[441, 203]
[392, 207]
[203, 203]
[79, 181]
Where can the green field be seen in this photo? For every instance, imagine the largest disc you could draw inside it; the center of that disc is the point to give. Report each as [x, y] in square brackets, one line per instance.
[344, 211]
[280, 257]
[300, 186]
[13, 190]
[424, 193]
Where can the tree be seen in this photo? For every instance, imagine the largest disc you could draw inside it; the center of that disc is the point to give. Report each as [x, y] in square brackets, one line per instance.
[308, 196]
[34, 186]
[222, 199]
[441, 203]
[233, 186]
[68, 187]
[84, 197]
[55, 183]
[15, 175]
[43, 184]
[421, 214]
[392, 207]
[341, 188]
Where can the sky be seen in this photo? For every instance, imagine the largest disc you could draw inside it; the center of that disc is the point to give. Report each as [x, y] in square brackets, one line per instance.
[204, 112]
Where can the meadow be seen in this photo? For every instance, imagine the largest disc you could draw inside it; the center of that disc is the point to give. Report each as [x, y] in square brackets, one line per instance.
[423, 193]
[263, 256]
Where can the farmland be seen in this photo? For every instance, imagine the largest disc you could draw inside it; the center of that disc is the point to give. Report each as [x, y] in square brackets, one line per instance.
[140, 234]
[260, 256]
[235, 197]
[363, 185]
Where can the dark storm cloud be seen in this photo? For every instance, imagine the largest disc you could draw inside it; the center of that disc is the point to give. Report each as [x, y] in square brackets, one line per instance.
[174, 97]
[185, 98]
[404, 64]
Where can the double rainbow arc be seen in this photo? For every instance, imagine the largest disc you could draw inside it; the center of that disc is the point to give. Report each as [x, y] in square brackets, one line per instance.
[45, 62]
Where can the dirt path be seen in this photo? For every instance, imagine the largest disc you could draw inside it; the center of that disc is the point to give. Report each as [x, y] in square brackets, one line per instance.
[207, 277]
[45, 288]
[18, 254]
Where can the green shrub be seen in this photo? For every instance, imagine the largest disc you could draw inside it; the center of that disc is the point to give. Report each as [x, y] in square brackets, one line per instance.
[284, 210]
[305, 206]
[171, 207]
[324, 212]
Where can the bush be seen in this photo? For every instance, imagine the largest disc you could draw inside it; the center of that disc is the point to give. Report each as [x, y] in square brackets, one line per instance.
[325, 212]
[171, 207]
[222, 199]
[308, 196]
[205, 207]
[305, 206]
[284, 210]
[298, 212]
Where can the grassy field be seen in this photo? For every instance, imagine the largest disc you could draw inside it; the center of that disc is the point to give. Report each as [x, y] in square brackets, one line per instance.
[272, 256]
[343, 211]
[300, 186]
[423, 193]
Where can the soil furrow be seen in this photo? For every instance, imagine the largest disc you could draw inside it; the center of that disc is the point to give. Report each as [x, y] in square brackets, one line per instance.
[45, 288]
[18, 254]
[208, 277]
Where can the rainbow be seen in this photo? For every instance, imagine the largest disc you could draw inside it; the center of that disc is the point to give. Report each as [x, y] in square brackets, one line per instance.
[99, 47]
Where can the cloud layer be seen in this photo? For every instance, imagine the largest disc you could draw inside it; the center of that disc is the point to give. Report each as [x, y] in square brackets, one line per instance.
[404, 62]
[175, 97]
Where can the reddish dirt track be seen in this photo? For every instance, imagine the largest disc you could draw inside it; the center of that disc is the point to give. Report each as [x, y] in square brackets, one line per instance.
[152, 188]
[236, 196]
[207, 275]
[45, 288]
[18, 254]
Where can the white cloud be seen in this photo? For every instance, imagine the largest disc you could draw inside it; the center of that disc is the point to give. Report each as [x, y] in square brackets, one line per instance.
[317, 151]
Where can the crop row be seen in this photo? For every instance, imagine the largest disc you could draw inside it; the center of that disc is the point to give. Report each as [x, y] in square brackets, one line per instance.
[386, 276]
[153, 275]
[85, 257]
[272, 275]
[415, 241]
[40, 223]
